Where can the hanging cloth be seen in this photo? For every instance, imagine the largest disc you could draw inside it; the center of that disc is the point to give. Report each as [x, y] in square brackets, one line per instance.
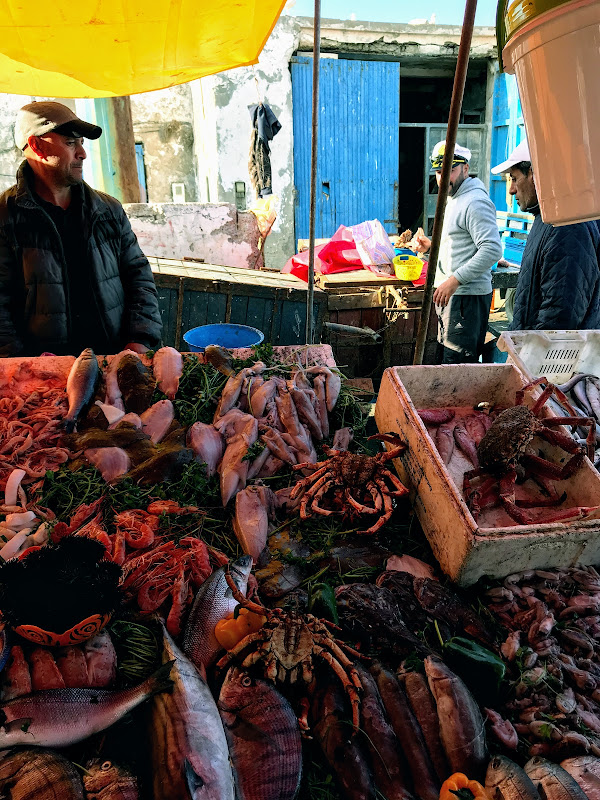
[265, 126]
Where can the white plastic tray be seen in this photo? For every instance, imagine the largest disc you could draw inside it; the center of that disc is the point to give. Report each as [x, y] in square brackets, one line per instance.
[555, 355]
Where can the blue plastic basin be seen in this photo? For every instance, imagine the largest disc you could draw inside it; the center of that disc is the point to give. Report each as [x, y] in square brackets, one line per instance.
[224, 334]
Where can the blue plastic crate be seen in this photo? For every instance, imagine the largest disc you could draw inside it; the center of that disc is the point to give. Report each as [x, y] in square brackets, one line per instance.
[513, 249]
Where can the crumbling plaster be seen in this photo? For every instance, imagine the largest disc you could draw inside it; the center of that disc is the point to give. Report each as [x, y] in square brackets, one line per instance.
[215, 233]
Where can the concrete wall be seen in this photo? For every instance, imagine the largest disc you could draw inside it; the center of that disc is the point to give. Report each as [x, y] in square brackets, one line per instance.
[163, 122]
[222, 128]
[214, 232]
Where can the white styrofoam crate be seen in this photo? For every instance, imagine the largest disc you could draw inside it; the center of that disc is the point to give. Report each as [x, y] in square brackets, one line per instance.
[556, 355]
[494, 545]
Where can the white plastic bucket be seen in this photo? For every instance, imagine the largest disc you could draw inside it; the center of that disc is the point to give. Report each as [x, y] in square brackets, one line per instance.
[556, 60]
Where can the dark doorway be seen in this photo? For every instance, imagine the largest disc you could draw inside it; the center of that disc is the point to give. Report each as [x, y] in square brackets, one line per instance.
[411, 171]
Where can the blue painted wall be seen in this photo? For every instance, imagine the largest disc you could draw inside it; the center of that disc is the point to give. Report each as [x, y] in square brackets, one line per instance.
[507, 131]
[357, 176]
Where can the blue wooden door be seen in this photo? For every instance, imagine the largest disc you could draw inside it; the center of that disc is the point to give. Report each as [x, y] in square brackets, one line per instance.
[507, 131]
[357, 173]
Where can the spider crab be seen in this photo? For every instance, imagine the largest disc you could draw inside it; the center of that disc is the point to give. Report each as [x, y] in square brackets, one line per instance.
[287, 646]
[505, 455]
[352, 483]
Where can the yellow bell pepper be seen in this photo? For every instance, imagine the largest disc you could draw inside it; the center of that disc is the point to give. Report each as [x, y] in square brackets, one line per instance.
[459, 787]
[230, 631]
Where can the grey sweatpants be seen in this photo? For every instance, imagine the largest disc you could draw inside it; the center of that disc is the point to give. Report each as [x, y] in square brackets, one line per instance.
[462, 326]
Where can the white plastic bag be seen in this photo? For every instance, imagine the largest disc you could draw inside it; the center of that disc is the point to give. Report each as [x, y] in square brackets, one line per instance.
[374, 247]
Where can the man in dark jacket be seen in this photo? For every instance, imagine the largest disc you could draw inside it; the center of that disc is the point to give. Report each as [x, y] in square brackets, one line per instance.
[72, 274]
[559, 279]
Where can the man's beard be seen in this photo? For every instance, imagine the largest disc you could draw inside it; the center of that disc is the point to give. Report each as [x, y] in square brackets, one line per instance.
[454, 187]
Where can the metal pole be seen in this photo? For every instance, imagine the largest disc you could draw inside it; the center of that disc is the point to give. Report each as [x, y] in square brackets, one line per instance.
[455, 106]
[313, 174]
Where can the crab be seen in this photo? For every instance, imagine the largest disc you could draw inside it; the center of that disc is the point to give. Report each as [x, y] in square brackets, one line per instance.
[287, 646]
[348, 481]
[504, 454]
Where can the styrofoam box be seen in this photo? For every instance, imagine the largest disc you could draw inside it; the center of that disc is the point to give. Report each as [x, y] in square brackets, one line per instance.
[555, 355]
[494, 545]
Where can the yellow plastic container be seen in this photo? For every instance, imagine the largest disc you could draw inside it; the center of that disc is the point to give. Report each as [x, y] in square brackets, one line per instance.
[407, 268]
[555, 56]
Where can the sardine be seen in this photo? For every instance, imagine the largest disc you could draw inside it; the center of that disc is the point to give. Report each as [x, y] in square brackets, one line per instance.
[104, 780]
[552, 781]
[389, 768]
[220, 358]
[167, 366]
[189, 748]
[333, 732]
[423, 707]
[81, 385]
[213, 601]
[586, 771]
[408, 732]
[34, 774]
[507, 781]
[264, 738]
[60, 717]
[461, 725]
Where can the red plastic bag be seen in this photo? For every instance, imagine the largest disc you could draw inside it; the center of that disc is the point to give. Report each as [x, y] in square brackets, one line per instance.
[339, 254]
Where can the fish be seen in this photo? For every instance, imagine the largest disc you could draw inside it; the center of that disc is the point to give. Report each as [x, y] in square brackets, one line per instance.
[35, 774]
[16, 678]
[389, 768]
[112, 462]
[424, 709]
[44, 671]
[508, 781]
[408, 732]
[167, 366]
[342, 751]
[104, 780]
[586, 771]
[208, 445]
[60, 717]
[73, 667]
[81, 385]
[444, 441]
[213, 601]
[251, 520]
[552, 781]
[220, 358]
[189, 748]
[264, 738]
[462, 728]
[157, 419]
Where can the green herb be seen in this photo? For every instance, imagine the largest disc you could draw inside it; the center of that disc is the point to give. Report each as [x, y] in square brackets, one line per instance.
[138, 650]
[254, 450]
[200, 388]
[260, 352]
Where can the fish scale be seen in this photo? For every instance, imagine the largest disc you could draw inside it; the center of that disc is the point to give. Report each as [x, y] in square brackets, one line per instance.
[35, 774]
[552, 781]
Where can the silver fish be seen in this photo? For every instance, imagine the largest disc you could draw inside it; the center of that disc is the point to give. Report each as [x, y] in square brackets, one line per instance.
[508, 781]
[213, 602]
[220, 358]
[60, 717]
[264, 738]
[81, 385]
[586, 771]
[104, 780]
[552, 781]
[189, 748]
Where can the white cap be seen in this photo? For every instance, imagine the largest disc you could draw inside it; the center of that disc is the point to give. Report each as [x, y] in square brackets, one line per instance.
[520, 153]
[460, 152]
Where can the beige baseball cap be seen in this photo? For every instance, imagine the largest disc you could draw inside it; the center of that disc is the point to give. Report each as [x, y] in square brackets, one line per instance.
[519, 154]
[40, 118]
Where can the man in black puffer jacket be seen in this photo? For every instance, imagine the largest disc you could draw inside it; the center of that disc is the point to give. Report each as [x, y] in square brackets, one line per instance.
[559, 279]
[72, 274]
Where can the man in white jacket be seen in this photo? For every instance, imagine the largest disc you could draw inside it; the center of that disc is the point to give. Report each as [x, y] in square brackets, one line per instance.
[469, 248]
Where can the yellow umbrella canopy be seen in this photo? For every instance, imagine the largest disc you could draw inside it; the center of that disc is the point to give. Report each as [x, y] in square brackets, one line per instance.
[109, 48]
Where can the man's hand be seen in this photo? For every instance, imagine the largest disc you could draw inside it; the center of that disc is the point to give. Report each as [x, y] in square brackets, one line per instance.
[136, 347]
[445, 290]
